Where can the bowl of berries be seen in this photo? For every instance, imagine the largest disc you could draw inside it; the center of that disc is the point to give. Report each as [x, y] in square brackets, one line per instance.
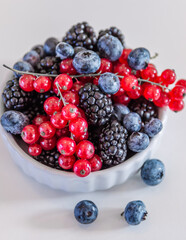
[84, 114]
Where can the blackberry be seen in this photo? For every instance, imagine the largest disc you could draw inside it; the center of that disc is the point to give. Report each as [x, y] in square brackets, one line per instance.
[14, 97]
[114, 31]
[49, 158]
[81, 35]
[41, 97]
[147, 110]
[112, 144]
[48, 64]
[93, 136]
[33, 111]
[97, 106]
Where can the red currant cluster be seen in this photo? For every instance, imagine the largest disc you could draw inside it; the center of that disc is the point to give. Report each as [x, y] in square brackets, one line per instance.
[147, 83]
[65, 125]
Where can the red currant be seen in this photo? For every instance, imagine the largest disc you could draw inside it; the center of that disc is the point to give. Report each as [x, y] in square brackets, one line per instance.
[82, 168]
[163, 100]
[152, 92]
[81, 113]
[78, 127]
[35, 149]
[47, 144]
[81, 137]
[71, 97]
[181, 82]
[106, 66]
[178, 92]
[176, 105]
[86, 79]
[144, 85]
[96, 163]
[123, 99]
[85, 149]
[122, 69]
[57, 120]
[76, 86]
[30, 134]
[66, 162]
[66, 66]
[42, 84]
[158, 79]
[120, 92]
[149, 73]
[64, 82]
[128, 83]
[26, 82]
[52, 104]
[168, 76]
[69, 112]
[39, 119]
[64, 132]
[46, 130]
[135, 93]
[66, 146]
[124, 55]
[95, 81]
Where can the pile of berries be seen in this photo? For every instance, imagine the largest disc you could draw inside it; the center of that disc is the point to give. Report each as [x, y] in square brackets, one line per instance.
[115, 90]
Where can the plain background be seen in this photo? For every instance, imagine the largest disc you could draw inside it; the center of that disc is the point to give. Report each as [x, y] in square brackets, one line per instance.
[29, 210]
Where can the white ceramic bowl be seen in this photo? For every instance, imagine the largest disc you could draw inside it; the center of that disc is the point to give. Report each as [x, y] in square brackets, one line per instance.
[68, 181]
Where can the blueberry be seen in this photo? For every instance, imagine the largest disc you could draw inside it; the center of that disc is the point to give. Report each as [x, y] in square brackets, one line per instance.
[135, 212]
[86, 212]
[50, 46]
[23, 66]
[152, 172]
[153, 127]
[138, 141]
[132, 122]
[39, 49]
[109, 83]
[120, 111]
[14, 121]
[110, 47]
[78, 49]
[86, 62]
[64, 50]
[32, 57]
[139, 58]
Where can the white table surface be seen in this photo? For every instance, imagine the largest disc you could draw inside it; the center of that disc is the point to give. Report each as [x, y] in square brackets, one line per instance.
[29, 210]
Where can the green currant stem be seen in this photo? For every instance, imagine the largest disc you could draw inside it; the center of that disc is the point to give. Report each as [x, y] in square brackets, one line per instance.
[60, 94]
[152, 83]
[155, 56]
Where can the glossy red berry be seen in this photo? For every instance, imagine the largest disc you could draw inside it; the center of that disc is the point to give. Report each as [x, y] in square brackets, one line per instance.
[69, 112]
[82, 168]
[95, 81]
[106, 66]
[39, 119]
[66, 146]
[124, 55]
[85, 149]
[66, 162]
[181, 82]
[64, 83]
[81, 113]
[52, 104]
[144, 85]
[66, 66]
[163, 100]
[128, 83]
[71, 97]
[80, 138]
[30, 134]
[57, 120]
[176, 105]
[149, 73]
[123, 99]
[47, 144]
[26, 82]
[122, 69]
[120, 92]
[76, 86]
[46, 130]
[64, 132]
[34, 149]
[168, 76]
[158, 79]
[78, 127]
[96, 163]
[42, 84]
[178, 92]
[135, 93]
[152, 92]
